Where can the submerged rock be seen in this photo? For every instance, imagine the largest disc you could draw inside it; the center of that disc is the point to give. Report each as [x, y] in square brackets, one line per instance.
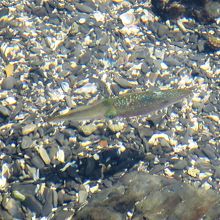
[152, 197]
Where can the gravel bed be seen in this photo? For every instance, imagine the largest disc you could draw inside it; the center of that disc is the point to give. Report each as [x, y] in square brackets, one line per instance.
[57, 55]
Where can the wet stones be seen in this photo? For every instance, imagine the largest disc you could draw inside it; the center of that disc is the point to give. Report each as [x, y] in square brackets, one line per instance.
[146, 195]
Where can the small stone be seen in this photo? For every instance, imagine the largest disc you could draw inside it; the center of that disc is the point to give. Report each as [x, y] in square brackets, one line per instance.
[89, 88]
[163, 66]
[172, 61]
[4, 11]
[118, 1]
[83, 8]
[162, 30]
[4, 111]
[193, 172]
[39, 11]
[116, 127]
[145, 132]
[33, 204]
[209, 152]
[88, 129]
[8, 83]
[65, 86]
[124, 83]
[13, 207]
[43, 154]
[180, 164]
[99, 17]
[61, 156]
[27, 129]
[82, 196]
[9, 69]
[217, 172]
[26, 142]
[127, 18]
[11, 100]
[17, 195]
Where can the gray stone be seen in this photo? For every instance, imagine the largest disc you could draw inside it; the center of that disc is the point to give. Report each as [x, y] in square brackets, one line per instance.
[8, 83]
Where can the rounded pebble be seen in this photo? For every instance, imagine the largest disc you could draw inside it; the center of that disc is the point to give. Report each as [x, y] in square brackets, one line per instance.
[27, 129]
[8, 83]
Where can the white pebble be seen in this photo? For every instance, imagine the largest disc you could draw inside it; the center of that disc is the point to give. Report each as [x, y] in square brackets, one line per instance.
[11, 100]
[99, 17]
[89, 88]
[128, 18]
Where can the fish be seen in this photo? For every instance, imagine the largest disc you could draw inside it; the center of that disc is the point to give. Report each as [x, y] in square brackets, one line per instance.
[127, 105]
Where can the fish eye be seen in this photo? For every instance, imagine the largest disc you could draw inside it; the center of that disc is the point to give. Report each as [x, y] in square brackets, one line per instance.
[110, 116]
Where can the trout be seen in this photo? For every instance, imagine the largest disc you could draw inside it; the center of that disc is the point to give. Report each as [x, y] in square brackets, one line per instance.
[128, 105]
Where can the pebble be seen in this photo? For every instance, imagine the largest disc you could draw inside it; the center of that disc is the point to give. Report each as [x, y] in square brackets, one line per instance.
[4, 111]
[83, 8]
[33, 204]
[4, 11]
[82, 196]
[89, 88]
[116, 127]
[193, 172]
[180, 165]
[9, 70]
[145, 132]
[26, 142]
[209, 152]
[172, 61]
[127, 18]
[48, 205]
[8, 83]
[43, 154]
[27, 129]
[88, 129]
[162, 30]
[217, 172]
[124, 83]
[118, 1]
[37, 162]
[13, 207]
[39, 11]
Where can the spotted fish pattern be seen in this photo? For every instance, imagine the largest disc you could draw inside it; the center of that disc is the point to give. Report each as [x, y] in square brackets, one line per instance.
[128, 105]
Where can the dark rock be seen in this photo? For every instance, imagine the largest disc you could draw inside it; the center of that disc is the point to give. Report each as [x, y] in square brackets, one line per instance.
[13, 207]
[47, 208]
[209, 152]
[162, 30]
[83, 8]
[33, 204]
[171, 61]
[4, 11]
[39, 11]
[37, 162]
[180, 164]
[145, 132]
